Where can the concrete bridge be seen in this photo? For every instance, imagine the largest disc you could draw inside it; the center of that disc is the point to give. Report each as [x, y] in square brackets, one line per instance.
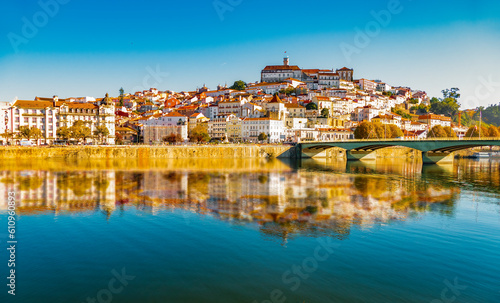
[433, 150]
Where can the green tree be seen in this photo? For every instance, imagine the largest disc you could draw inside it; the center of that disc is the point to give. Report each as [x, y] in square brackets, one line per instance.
[25, 132]
[493, 131]
[394, 131]
[325, 113]
[80, 131]
[473, 131]
[101, 132]
[363, 130]
[118, 138]
[379, 131]
[288, 91]
[30, 132]
[8, 135]
[63, 132]
[370, 130]
[450, 133]
[437, 131]
[491, 114]
[311, 106]
[36, 133]
[238, 85]
[420, 109]
[451, 93]
[199, 135]
[401, 112]
[173, 138]
[300, 90]
[122, 92]
[447, 106]
[262, 137]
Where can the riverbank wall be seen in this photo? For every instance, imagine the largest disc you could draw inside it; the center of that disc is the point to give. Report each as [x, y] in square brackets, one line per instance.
[146, 152]
[190, 152]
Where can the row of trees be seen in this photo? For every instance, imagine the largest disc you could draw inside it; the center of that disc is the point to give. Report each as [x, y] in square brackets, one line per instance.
[474, 131]
[483, 131]
[377, 130]
[25, 132]
[81, 132]
[198, 134]
[438, 131]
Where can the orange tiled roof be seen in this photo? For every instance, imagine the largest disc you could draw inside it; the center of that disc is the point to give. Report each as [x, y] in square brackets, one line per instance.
[281, 67]
[50, 104]
[276, 99]
[174, 114]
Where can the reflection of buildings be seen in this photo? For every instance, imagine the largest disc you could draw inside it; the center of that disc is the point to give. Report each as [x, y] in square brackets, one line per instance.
[283, 203]
[68, 191]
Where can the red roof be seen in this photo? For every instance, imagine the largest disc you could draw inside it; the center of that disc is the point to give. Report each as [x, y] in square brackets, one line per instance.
[281, 67]
[174, 114]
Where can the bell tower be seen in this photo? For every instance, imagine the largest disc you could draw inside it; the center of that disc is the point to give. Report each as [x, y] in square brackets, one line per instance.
[286, 61]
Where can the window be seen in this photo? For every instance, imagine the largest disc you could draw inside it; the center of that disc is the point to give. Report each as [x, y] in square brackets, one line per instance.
[26, 120]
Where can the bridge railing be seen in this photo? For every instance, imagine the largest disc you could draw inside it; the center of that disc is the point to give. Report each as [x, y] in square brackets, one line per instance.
[399, 140]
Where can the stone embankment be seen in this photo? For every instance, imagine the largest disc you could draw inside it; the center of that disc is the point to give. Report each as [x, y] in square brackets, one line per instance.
[145, 152]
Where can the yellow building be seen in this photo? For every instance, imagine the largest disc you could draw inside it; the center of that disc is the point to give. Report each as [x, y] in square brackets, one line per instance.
[234, 129]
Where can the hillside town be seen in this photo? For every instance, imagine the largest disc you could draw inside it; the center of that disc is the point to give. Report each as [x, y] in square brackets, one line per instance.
[288, 105]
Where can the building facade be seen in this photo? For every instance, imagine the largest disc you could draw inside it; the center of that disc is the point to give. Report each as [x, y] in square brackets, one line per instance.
[49, 115]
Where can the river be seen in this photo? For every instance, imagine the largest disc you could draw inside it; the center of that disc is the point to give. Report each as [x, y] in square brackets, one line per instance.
[205, 230]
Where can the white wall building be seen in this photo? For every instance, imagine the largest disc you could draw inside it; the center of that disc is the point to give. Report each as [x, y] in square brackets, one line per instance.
[252, 127]
[49, 115]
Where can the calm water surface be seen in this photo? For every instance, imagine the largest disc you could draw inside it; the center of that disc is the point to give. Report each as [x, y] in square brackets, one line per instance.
[253, 231]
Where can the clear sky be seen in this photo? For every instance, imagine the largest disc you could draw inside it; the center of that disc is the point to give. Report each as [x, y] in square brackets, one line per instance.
[87, 48]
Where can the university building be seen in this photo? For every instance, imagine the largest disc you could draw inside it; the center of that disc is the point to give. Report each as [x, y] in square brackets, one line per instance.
[313, 78]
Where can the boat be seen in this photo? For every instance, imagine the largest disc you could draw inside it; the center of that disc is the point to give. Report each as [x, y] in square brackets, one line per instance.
[480, 155]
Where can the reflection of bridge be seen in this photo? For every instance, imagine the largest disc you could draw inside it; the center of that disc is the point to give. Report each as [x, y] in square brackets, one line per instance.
[433, 151]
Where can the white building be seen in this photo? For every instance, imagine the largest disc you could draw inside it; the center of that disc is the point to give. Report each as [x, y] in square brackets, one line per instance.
[49, 114]
[171, 119]
[252, 127]
[328, 80]
[278, 73]
[365, 113]
[433, 120]
[217, 127]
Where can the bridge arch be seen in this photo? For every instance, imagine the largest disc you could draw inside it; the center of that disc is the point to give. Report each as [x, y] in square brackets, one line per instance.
[433, 151]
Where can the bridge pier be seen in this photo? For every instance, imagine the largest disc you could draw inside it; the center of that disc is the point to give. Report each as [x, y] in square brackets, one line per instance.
[437, 157]
[354, 155]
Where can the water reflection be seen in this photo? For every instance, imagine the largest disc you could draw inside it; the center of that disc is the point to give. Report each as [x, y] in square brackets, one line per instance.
[317, 198]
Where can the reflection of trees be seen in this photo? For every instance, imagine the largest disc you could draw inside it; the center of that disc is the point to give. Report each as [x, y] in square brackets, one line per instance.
[304, 202]
[30, 183]
[370, 186]
[198, 183]
[101, 184]
[172, 177]
[263, 179]
[79, 183]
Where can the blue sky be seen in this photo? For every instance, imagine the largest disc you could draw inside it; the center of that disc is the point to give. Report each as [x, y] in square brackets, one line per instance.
[88, 48]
